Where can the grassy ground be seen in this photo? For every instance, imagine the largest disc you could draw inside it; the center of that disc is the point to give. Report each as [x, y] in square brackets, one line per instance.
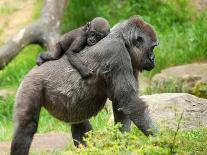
[182, 34]
[111, 141]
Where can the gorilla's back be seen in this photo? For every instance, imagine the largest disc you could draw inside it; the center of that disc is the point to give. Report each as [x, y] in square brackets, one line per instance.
[66, 95]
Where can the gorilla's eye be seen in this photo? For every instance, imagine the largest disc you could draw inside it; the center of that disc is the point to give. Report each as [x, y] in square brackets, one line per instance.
[92, 34]
[140, 39]
[98, 37]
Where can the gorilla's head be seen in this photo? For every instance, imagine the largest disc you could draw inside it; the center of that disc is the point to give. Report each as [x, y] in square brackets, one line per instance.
[140, 40]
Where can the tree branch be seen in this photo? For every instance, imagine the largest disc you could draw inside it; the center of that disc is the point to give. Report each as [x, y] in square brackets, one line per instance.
[45, 31]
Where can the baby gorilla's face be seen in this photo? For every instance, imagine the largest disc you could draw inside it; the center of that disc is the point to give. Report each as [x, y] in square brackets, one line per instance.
[94, 37]
[98, 28]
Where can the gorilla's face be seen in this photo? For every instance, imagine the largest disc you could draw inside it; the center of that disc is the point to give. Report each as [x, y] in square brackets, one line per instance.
[94, 37]
[147, 49]
[97, 29]
[140, 40]
[142, 49]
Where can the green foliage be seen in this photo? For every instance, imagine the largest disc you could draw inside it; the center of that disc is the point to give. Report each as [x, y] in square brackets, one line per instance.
[172, 85]
[12, 75]
[159, 13]
[200, 90]
[111, 141]
[6, 117]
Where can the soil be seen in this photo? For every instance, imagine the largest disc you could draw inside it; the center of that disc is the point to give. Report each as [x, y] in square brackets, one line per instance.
[14, 15]
[47, 142]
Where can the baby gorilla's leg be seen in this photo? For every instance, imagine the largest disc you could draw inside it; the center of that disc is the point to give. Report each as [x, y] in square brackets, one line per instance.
[75, 61]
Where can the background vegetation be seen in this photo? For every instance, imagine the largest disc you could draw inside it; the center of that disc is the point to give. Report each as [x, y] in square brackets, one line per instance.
[182, 34]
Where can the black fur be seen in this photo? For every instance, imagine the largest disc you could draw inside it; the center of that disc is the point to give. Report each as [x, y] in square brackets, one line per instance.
[78, 132]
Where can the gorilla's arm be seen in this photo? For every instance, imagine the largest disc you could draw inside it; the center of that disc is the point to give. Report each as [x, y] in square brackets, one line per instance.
[124, 94]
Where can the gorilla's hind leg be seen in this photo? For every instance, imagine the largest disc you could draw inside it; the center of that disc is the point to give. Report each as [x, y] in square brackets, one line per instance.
[79, 131]
[27, 110]
[26, 126]
[22, 139]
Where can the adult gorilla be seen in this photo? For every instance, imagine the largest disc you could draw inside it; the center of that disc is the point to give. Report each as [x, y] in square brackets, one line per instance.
[59, 88]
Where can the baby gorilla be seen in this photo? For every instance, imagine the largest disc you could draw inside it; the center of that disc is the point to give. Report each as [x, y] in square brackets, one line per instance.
[74, 41]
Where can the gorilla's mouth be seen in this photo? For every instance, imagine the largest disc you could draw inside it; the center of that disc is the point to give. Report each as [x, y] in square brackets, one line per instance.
[91, 42]
[150, 62]
[149, 66]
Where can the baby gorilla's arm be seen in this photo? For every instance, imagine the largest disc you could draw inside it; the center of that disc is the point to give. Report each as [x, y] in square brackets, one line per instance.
[77, 45]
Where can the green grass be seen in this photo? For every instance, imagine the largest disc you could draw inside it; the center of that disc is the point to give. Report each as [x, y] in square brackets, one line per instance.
[110, 141]
[12, 75]
[169, 86]
[7, 10]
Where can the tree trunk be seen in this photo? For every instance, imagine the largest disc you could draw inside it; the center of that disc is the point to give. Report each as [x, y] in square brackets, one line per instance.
[45, 31]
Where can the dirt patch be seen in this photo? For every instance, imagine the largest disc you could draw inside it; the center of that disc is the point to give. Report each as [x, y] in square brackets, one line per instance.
[7, 92]
[14, 15]
[200, 5]
[52, 141]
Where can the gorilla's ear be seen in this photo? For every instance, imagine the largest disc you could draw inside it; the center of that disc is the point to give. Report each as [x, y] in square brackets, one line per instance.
[87, 26]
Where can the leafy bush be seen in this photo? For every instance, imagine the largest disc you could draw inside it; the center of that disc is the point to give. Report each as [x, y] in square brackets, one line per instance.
[110, 140]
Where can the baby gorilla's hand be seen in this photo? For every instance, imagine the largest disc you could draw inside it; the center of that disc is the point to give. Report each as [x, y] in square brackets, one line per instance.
[40, 60]
[43, 57]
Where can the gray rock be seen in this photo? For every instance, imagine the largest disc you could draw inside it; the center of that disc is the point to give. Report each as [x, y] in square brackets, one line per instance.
[166, 109]
[191, 78]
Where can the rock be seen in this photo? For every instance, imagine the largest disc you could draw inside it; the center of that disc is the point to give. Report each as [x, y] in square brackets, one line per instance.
[52, 141]
[166, 109]
[191, 78]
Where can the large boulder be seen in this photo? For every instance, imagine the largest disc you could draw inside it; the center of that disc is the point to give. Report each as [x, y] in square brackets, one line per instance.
[166, 110]
[191, 78]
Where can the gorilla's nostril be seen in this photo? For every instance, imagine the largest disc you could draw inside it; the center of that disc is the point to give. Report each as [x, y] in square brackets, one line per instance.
[152, 58]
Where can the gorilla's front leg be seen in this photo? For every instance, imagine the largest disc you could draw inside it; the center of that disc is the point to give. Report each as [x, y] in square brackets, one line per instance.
[78, 132]
[120, 117]
[138, 112]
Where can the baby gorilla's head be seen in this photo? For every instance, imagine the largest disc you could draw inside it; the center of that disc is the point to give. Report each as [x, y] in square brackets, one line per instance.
[97, 29]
